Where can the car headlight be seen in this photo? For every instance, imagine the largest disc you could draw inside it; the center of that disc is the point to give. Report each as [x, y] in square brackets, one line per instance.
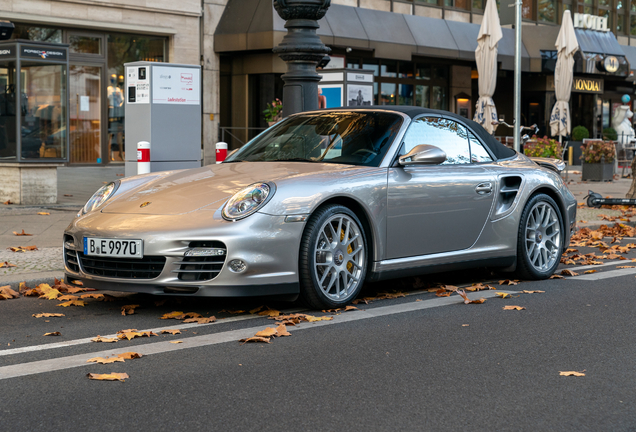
[248, 200]
[99, 198]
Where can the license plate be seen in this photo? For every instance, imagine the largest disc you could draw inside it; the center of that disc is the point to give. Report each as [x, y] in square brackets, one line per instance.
[109, 247]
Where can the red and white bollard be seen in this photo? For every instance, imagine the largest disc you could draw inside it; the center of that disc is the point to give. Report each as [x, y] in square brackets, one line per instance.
[221, 152]
[143, 157]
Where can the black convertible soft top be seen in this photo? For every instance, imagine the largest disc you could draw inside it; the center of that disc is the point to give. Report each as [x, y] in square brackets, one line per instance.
[499, 150]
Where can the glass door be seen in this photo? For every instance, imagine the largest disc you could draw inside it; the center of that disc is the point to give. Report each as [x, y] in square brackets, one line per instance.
[85, 108]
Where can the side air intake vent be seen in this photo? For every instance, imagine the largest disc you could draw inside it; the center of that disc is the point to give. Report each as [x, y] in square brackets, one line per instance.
[508, 190]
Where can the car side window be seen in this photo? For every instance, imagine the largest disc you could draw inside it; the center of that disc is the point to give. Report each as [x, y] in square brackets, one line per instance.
[477, 151]
[446, 134]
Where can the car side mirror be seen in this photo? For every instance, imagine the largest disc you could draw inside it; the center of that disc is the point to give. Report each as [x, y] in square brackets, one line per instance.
[423, 154]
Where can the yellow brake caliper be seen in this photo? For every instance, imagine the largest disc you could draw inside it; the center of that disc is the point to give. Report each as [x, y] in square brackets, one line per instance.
[349, 250]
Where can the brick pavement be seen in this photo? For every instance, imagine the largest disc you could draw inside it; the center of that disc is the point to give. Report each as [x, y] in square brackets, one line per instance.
[80, 183]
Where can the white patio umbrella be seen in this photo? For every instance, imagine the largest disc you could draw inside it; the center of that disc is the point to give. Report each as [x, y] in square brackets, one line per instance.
[486, 58]
[566, 45]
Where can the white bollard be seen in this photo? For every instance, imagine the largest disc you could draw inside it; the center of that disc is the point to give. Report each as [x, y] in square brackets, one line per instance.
[221, 152]
[143, 157]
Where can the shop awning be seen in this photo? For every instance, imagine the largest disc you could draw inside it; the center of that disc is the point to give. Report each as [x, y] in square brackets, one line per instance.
[592, 44]
[254, 25]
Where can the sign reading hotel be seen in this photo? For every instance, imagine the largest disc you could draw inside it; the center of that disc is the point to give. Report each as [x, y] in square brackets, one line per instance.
[590, 22]
[181, 86]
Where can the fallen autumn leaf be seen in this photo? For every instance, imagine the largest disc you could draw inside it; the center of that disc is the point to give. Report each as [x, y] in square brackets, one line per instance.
[102, 360]
[108, 377]
[104, 339]
[571, 373]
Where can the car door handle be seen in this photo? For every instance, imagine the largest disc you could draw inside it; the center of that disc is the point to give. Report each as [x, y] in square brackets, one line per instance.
[484, 188]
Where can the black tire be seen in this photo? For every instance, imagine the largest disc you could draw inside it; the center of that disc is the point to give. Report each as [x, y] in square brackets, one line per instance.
[332, 267]
[539, 244]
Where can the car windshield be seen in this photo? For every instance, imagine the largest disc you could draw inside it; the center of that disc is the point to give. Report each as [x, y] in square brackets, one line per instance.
[343, 137]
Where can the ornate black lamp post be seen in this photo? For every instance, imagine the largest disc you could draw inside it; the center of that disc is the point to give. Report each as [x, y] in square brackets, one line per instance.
[301, 49]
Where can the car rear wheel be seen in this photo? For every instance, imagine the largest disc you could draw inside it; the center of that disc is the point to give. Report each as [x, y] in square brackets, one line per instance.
[540, 241]
[333, 258]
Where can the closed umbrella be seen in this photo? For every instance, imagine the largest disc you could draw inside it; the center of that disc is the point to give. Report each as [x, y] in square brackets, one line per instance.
[486, 58]
[566, 45]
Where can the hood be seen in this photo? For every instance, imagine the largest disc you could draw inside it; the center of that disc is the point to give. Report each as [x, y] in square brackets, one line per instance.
[186, 191]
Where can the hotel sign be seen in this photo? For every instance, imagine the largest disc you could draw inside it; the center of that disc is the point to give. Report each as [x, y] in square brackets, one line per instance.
[590, 22]
[587, 85]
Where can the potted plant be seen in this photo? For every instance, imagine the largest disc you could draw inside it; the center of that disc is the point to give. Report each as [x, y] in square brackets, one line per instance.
[273, 112]
[598, 160]
[542, 147]
[610, 134]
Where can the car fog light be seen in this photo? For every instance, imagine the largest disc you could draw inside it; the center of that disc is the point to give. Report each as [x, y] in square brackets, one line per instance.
[237, 266]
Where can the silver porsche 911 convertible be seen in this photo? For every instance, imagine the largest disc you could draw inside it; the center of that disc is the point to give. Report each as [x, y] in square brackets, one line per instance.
[322, 202]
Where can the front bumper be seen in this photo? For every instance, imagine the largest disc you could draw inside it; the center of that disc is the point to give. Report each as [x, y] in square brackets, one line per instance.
[267, 244]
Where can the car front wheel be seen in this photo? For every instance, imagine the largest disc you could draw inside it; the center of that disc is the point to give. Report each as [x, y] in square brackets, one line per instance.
[540, 241]
[333, 258]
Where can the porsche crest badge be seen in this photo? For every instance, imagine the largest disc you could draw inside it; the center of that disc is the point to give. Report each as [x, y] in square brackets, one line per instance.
[147, 203]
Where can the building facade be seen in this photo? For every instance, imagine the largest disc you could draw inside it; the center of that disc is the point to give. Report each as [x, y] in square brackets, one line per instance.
[422, 53]
[419, 52]
[101, 37]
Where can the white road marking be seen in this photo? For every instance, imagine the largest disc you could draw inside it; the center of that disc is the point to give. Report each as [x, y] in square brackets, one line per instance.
[593, 266]
[604, 275]
[82, 341]
[68, 362]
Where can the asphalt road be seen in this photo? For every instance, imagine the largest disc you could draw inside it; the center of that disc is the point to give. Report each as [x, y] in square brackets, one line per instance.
[418, 362]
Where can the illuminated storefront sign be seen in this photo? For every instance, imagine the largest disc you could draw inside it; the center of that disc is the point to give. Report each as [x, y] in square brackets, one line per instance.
[610, 63]
[587, 85]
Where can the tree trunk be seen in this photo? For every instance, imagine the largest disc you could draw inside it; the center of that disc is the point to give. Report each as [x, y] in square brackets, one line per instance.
[632, 189]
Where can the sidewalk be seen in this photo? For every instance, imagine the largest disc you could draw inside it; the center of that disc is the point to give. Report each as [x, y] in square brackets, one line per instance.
[75, 187]
[77, 184]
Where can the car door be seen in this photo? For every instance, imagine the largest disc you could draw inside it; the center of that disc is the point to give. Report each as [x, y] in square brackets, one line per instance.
[438, 208]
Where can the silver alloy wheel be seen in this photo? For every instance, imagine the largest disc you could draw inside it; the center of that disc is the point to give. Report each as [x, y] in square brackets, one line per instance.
[543, 236]
[339, 257]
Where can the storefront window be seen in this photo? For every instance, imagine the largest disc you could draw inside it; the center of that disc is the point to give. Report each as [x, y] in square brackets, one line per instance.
[372, 66]
[43, 127]
[546, 11]
[478, 4]
[405, 94]
[124, 48]
[633, 6]
[85, 113]
[406, 70]
[85, 44]
[604, 3]
[423, 72]
[527, 9]
[389, 68]
[8, 142]
[440, 72]
[387, 94]
[459, 4]
[439, 98]
[422, 96]
[35, 33]
[620, 23]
